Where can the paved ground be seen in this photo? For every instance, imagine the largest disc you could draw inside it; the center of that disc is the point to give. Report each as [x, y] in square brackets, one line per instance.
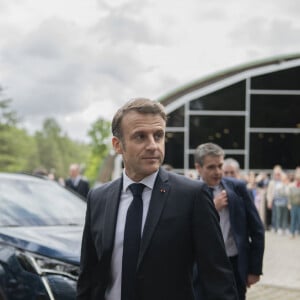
[281, 279]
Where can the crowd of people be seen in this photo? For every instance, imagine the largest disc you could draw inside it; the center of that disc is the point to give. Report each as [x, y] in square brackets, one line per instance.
[276, 195]
[283, 202]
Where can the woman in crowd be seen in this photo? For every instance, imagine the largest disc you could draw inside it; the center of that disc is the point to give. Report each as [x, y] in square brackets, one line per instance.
[294, 203]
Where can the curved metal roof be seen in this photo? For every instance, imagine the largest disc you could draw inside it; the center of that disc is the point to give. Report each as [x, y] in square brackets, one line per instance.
[278, 62]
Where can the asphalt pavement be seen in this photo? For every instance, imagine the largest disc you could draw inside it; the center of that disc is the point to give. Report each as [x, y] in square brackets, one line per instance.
[281, 278]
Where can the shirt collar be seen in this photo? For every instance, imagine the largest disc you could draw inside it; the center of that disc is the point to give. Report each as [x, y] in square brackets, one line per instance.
[76, 179]
[147, 181]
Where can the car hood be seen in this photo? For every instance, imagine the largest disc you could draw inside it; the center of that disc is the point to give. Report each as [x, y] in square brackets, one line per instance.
[60, 242]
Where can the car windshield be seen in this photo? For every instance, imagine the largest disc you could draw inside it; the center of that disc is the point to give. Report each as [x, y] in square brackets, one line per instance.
[37, 202]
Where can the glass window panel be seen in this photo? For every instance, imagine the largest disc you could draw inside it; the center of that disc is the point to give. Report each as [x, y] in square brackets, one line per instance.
[282, 80]
[226, 131]
[269, 149]
[275, 111]
[174, 149]
[191, 162]
[176, 118]
[229, 98]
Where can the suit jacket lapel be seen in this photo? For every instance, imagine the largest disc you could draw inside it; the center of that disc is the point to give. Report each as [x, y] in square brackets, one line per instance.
[158, 199]
[230, 195]
[111, 213]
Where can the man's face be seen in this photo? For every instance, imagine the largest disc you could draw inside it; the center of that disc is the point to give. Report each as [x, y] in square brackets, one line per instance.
[211, 172]
[74, 172]
[277, 174]
[230, 171]
[143, 144]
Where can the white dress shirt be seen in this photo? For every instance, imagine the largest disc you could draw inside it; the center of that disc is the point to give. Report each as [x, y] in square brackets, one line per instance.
[113, 291]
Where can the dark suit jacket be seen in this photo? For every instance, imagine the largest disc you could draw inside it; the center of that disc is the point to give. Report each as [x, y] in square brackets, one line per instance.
[247, 227]
[82, 188]
[182, 226]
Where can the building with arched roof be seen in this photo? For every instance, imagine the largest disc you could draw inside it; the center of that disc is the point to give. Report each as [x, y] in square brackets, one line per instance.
[252, 111]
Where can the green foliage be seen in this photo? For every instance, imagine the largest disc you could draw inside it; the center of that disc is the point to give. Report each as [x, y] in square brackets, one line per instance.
[49, 148]
[17, 150]
[92, 169]
[16, 147]
[8, 117]
[100, 136]
[56, 151]
[100, 146]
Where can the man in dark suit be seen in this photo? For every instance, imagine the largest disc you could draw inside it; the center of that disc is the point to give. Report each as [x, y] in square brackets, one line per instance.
[76, 182]
[241, 226]
[176, 220]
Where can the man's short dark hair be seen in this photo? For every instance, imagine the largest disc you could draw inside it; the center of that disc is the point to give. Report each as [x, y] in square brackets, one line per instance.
[140, 105]
[206, 149]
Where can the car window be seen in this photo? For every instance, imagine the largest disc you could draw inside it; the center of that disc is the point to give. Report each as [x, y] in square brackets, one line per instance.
[38, 203]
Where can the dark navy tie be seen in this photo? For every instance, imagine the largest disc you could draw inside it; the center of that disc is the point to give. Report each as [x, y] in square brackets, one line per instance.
[131, 244]
[211, 192]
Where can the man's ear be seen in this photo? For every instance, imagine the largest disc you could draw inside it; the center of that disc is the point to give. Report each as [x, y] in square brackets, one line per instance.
[117, 145]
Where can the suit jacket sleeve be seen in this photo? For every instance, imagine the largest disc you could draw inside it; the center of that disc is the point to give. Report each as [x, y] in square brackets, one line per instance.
[83, 187]
[90, 281]
[255, 231]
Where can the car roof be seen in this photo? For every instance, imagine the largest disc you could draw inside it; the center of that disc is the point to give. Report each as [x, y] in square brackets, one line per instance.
[21, 176]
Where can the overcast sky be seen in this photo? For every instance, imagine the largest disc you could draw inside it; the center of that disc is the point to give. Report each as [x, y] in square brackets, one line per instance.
[77, 60]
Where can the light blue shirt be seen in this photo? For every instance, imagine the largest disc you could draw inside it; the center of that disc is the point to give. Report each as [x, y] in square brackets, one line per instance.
[230, 245]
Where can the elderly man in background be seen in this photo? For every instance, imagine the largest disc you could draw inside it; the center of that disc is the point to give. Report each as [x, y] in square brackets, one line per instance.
[76, 182]
[231, 168]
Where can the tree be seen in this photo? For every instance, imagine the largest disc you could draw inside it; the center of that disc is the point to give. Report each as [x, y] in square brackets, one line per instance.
[8, 117]
[17, 148]
[56, 150]
[49, 148]
[100, 146]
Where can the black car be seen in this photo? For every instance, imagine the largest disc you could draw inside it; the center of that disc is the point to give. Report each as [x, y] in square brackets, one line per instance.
[41, 227]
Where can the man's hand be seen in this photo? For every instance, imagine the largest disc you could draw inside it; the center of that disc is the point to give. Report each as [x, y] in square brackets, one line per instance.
[252, 279]
[221, 200]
